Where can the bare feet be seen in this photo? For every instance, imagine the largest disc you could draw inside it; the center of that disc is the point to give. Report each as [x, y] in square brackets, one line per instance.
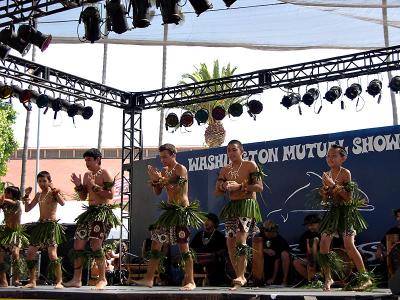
[188, 287]
[101, 284]
[73, 283]
[59, 286]
[238, 282]
[144, 282]
[17, 283]
[30, 285]
[327, 284]
[3, 284]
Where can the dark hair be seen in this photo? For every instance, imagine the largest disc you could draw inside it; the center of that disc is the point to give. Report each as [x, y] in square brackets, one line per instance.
[233, 142]
[14, 191]
[94, 153]
[213, 218]
[395, 212]
[312, 219]
[342, 151]
[270, 226]
[44, 174]
[169, 147]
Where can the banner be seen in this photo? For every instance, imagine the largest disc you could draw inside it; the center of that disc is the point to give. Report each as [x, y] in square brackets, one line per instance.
[294, 167]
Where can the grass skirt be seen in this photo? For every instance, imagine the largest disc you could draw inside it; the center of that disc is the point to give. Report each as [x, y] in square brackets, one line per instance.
[241, 208]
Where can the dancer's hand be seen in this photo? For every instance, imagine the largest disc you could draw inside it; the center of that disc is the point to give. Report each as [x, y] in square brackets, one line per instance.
[232, 186]
[28, 191]
[327, 180]
[154, 173]
[76, 180]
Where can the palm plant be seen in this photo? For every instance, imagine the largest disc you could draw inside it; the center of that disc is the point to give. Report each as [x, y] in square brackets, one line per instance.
[215, 132]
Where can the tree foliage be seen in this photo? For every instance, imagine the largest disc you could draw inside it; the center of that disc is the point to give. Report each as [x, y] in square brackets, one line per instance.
[8, 143]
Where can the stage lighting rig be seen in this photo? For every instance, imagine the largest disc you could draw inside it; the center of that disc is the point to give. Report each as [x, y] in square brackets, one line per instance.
[141, 14]
[353, 91]
[374, 87]
[333, 94]
[394, 84]
[235, 109]
[91, 18]
[200, 6]
[290, 100]
[169, 11]
[30, 35]
[201, 116]
[186, 119]
[218, 113]
[9, 38]
[116, 16]
[310, 96]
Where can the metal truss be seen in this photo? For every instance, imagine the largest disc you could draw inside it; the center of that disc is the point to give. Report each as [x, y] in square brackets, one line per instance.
[41, 78]
[336, 68]
[132, 149]
[18, 11]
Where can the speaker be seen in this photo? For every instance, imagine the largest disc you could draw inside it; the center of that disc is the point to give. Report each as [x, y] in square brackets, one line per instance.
[394, 283]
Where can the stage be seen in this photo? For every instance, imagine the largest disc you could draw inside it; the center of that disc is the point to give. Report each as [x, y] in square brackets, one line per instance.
[172, 293]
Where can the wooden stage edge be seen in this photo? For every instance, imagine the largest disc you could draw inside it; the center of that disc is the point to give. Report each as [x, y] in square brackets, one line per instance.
[172, 293]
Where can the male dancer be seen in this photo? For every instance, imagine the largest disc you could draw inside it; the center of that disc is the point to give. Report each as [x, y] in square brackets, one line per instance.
[241, 180]
[339, 193]
[96, 222]
[173, 225]
[47, 233]
[12, 235]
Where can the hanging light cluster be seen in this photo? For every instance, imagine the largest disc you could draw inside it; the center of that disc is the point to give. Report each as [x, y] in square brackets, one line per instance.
[138, 10]
[26, 97]
[334, 93]
[22, 40]
[218, 113]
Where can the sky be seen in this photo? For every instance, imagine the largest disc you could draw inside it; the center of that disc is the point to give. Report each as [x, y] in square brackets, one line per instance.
[138, 68]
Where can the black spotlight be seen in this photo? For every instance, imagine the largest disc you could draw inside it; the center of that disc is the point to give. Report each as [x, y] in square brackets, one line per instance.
[353, 91]
[116, 16]
[78, 109]
[31, 35]
[228, 3]
[169, 11]
[90, 17]
[290, 100]
[374, 87]
[9, 38]
[395, 84]
[141, 16]
[333, 94]
[4, 50]
[186, 119]
[171, 121]
[235, 109]
[200, 6]
[310, 96]
[255, 108]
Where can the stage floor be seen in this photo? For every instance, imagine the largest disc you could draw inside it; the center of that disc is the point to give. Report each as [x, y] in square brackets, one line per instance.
[171, 293]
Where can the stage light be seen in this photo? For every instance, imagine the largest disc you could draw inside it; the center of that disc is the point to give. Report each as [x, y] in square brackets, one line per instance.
[30, 35]
[228, 3]
[201, 116]
[6, 91]
[141, 16]
[235, 109]
[333, 94]
[25, 99]
[90, 17]
[353, 91]
[200, 6]
[255, 108]
[78, 109]
[310, 96]
[116, 16]
[171, 121]
[218, 113]
[87, 112]
[395, 84]
[58, 104]
[169, 11]
[4, 50]
[290, 100]
[186, 119]
[42, 101]
[9, 38]
[374, 87]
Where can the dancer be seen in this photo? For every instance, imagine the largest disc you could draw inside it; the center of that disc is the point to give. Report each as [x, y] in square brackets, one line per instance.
[47, 234]
[96, 222]
[241, 180]
[12, 235]
[340, 195]
[173, 224]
